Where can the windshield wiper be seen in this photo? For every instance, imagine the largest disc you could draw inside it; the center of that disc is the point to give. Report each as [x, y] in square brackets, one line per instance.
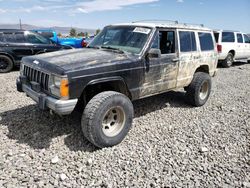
[112, 48]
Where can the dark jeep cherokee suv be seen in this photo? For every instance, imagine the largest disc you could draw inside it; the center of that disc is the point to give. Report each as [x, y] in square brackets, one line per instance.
[123, 63]
[15, 44]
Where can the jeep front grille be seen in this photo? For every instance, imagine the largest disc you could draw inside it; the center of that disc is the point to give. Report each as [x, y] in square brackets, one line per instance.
[37, 76]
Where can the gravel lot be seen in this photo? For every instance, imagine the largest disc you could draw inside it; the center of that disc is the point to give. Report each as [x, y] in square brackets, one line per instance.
[170, 144]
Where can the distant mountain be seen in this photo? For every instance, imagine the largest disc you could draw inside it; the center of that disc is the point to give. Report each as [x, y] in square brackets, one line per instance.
[62, 30]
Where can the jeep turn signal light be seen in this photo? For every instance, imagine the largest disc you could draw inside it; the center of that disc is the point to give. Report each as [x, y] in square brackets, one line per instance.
[64, 89]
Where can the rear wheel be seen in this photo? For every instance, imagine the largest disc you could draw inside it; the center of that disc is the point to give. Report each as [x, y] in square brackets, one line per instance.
[107, 118]
[6, 64]
[228, 62]
[199, 90]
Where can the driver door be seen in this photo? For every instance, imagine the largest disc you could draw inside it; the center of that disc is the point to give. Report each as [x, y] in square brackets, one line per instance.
[161, 72]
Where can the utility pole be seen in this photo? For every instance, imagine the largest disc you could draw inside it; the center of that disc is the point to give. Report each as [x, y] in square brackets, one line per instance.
[20, 23]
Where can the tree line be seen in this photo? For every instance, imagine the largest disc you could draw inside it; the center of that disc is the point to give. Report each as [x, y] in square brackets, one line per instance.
[73, 33]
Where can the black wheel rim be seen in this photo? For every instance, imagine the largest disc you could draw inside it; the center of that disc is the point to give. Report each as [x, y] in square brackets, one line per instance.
[3, 63]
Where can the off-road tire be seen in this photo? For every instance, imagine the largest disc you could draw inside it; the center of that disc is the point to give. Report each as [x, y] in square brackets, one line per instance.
[94, 115]
[6, 64]
[228, 62]
[195, 94]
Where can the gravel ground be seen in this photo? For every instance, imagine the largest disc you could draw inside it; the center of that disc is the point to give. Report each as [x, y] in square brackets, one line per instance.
[171, 144]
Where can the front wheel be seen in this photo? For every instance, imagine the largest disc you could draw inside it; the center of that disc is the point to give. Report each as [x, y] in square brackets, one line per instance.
[107, 119]
[228, 62]
[199, 89]
[6, 64]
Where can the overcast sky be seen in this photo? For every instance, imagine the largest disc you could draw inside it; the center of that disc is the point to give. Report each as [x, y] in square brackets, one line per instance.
[217, 14]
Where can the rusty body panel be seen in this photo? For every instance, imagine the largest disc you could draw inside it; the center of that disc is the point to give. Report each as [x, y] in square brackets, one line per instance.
[141, 75]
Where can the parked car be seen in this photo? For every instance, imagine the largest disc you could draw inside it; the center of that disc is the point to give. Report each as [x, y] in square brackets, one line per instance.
[74, 42]
[15, 44]
[125, 62]
[232, 46]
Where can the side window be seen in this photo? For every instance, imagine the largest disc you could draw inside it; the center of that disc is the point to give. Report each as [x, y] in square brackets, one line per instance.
[228, 37]
[187, 41]
[246, 38]
[9, 37]
[206, 41]
[239, 38]
[165, 41]
[20, 38]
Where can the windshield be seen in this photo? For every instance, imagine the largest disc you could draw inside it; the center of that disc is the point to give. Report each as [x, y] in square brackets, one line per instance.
[126, 38]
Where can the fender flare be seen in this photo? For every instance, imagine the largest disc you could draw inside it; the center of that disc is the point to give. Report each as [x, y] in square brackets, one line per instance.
[109, 79]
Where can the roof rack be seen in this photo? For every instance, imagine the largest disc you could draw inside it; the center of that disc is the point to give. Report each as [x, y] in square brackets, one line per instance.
[158, 21]
[192, 24]
[167, 22]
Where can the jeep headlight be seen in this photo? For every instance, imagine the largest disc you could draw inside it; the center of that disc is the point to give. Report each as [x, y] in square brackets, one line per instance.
[59, 86]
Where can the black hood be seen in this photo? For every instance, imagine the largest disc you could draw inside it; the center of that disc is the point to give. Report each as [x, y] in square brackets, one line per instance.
[63, 61]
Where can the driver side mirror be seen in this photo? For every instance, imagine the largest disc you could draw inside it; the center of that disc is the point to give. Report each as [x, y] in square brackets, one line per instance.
[154, 53]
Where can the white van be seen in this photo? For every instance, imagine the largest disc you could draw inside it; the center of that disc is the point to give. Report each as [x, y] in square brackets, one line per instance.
[232, 46]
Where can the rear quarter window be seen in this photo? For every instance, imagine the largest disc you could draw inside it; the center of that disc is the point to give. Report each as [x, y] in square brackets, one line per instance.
[228, 37]
[206, 41]
[187, 41]
[9, 37]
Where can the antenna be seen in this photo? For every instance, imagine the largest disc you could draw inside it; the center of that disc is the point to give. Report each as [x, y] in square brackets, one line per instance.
[20, 23]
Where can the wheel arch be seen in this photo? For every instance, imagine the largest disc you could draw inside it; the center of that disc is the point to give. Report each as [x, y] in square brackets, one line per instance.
[96, 86]
[202, 68]
[8, 55]
[232, 52]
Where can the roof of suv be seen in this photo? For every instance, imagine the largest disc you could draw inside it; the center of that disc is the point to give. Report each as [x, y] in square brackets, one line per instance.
[11, 30]
[165, 24]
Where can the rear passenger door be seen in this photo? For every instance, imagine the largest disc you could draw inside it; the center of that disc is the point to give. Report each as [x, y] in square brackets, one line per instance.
[16, 45]
[188, 56]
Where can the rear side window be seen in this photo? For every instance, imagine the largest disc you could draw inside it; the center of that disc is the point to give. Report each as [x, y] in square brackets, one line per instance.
[228, 37]
[239, 38]
[187, 41]
[206, 41]
[246, 38]
[9, 37]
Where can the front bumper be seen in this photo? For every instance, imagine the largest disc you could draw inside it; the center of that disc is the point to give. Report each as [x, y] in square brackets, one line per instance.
[61, 107]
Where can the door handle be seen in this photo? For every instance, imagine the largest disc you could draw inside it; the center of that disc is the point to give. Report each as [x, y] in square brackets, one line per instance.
[175, 60]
